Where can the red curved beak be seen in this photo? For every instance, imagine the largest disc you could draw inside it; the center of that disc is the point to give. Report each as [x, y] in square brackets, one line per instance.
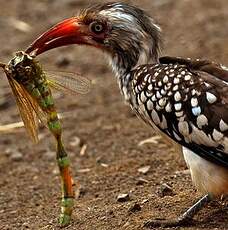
[64, 33]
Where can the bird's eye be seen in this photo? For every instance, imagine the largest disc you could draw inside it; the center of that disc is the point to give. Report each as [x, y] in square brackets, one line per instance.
[97, 27]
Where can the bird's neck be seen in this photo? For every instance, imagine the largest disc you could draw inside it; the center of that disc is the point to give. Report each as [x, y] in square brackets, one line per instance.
[123, 67]
[123, 75]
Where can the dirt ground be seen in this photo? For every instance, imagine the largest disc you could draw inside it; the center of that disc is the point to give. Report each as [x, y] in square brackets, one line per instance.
[102, 128]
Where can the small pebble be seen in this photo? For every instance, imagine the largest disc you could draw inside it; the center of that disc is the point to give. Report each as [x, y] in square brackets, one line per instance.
[145, 201]
[101, 161]
[103, 218]
[141, 181]
[104, 165]
[2, 211]
[135, 208]
[8, 152]
[75, 142]
[123, 197]
[16, 156]
[165, 190]
[83, 170]
[83, 150]
[55, 171]
[144, 169]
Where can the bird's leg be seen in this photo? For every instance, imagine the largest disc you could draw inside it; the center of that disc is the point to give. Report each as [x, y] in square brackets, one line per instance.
[192, 211]
[182, 220]
[66, 179]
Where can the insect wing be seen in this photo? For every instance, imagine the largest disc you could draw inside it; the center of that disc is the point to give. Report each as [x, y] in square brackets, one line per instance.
[71, 83]
[37, 109]
[26, 110]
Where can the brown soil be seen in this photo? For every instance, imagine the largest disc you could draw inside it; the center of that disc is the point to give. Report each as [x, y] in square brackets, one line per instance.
[29, 182]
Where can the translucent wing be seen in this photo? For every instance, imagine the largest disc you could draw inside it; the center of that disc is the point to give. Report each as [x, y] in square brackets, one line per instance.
[71, 83]
[26, 110]
[43, 116]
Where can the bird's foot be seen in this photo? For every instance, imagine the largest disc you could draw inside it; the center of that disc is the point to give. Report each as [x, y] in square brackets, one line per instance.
[184, 220]
[155, 223]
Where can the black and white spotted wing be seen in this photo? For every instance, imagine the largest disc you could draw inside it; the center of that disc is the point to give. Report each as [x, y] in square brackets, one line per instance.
[186, 102]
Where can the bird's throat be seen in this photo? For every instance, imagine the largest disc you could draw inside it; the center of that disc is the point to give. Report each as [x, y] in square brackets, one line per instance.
[123, 76]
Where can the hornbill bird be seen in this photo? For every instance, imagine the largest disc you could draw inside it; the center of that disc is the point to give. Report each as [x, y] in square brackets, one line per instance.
[185, 99]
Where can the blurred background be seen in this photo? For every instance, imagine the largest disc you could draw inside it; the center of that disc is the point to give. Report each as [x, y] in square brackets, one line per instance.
[104, 139]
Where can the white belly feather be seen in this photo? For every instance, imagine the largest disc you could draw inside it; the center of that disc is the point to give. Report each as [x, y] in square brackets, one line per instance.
[206, 176]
